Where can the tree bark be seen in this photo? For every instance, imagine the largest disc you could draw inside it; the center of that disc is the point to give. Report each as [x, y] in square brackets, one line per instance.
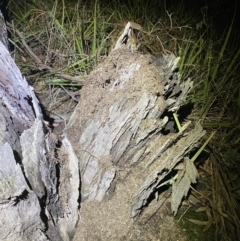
[38, 190]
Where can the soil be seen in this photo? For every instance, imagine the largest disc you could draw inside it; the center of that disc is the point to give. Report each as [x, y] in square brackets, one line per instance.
[160, 226]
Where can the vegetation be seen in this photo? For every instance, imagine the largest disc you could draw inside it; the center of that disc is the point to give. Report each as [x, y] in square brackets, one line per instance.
[70, 37]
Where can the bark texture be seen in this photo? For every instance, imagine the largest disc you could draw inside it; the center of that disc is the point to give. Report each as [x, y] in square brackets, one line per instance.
[38, 184]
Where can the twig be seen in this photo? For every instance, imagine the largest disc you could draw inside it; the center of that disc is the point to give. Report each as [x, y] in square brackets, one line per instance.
[38, 61]
[170, 17]
[69, 94]
[183, 214]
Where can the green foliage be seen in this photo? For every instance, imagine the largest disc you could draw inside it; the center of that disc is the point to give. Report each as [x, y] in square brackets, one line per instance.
[216, 92]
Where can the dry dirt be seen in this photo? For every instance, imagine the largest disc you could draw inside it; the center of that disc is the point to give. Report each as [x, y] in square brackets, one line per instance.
[160, 227]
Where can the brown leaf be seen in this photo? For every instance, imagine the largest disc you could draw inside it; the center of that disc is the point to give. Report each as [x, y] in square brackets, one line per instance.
[198, 222]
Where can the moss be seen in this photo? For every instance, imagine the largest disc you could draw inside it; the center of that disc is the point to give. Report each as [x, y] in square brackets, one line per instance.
[193, 231]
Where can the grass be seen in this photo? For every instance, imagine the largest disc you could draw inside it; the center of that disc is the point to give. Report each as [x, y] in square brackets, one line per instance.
[73, 36]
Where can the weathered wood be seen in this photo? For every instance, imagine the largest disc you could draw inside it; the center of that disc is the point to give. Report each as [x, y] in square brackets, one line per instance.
[39, 183]
[20, 208]
[118, 134]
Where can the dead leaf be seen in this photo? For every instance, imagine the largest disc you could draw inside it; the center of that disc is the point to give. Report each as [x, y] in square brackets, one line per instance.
[181, 186]
[210, 220]
[201, 209]
[198, 222]
[23, 59]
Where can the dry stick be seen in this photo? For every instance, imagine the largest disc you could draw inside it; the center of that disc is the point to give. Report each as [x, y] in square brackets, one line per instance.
[170, 17]
[40, 64]
[73, 97]
[183, 214]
